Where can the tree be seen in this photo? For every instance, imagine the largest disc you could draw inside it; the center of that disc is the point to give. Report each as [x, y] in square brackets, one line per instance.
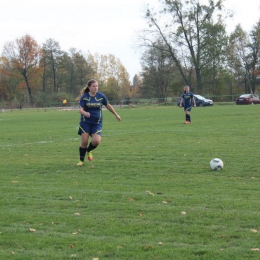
[24, 56]
[83, 70]
[136, 80]
[254, 56]
[8, 83]
[50, 61]
[244, 57]
[107, 69]
[213, 56]
[238, 56]
[158, 73]
[134, 90]
[185, 28]
[110, 90]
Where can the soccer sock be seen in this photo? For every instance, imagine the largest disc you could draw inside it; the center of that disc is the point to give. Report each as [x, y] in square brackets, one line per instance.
[91, 147]
[188, 117]
[82, 153]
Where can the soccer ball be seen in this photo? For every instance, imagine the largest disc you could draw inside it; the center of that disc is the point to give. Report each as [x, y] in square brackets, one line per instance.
[216, 164]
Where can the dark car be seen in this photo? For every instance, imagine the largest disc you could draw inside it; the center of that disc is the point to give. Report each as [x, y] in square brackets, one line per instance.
[248, 99]
[200, 101]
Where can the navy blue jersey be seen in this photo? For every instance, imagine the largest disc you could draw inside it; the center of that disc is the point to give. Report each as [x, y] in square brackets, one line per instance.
[187, 99]
[93, 105]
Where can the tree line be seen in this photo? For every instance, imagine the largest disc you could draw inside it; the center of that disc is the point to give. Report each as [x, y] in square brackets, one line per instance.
[39, 75]
[185, 43]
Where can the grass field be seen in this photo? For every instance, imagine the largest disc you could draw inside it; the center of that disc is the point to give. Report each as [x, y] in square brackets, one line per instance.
[148, 193]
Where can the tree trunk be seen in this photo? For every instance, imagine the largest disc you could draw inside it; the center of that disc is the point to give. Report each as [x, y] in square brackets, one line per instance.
[28, 87]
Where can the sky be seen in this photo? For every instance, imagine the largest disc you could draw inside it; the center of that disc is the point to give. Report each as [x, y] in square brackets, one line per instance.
[96, 26]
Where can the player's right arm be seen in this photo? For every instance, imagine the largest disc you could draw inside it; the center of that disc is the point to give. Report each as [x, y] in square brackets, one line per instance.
[83, 112]
[181, 102]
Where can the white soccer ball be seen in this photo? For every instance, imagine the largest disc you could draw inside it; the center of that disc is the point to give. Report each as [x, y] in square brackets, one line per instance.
[216, 164]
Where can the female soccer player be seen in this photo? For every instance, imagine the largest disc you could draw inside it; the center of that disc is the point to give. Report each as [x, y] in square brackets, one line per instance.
[187, 98]
[90, 108]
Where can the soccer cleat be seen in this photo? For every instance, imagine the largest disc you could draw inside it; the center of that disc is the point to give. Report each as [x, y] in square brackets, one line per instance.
[80, 163]
[90, 157]
[187, 122]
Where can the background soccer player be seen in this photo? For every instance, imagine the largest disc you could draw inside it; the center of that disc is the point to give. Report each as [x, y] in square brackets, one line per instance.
[187, 98]
[90, 108]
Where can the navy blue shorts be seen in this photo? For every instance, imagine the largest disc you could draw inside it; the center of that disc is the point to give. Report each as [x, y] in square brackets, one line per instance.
[187, 108]
[90, 128]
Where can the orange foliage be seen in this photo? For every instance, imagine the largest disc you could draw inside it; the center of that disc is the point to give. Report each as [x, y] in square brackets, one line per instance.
[22, 60]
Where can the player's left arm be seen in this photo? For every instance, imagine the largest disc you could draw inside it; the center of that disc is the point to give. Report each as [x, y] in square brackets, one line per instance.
[194, 102]
[112, 110]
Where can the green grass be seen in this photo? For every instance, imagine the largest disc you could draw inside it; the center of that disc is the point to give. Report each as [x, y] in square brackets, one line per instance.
[129, 202]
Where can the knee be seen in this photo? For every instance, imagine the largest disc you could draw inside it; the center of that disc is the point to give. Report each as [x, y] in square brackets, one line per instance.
[84, 143]
[95, 142]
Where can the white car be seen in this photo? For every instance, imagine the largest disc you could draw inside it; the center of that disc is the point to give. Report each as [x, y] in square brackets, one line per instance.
[202, 101]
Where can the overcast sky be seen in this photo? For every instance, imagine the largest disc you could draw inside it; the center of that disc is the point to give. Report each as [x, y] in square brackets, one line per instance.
[95, 26]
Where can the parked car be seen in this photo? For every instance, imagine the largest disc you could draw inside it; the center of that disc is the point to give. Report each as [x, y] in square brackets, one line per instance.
[248, 99]
[200, 101]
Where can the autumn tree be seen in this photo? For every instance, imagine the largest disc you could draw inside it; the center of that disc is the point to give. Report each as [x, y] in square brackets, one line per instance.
[110, 89]
[110, 73]
[135, 89]
[57, 73]
[8, 83]
[24, 56]
[93, 61]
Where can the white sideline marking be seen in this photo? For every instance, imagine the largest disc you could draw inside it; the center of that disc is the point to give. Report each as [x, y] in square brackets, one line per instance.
[40, 142]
